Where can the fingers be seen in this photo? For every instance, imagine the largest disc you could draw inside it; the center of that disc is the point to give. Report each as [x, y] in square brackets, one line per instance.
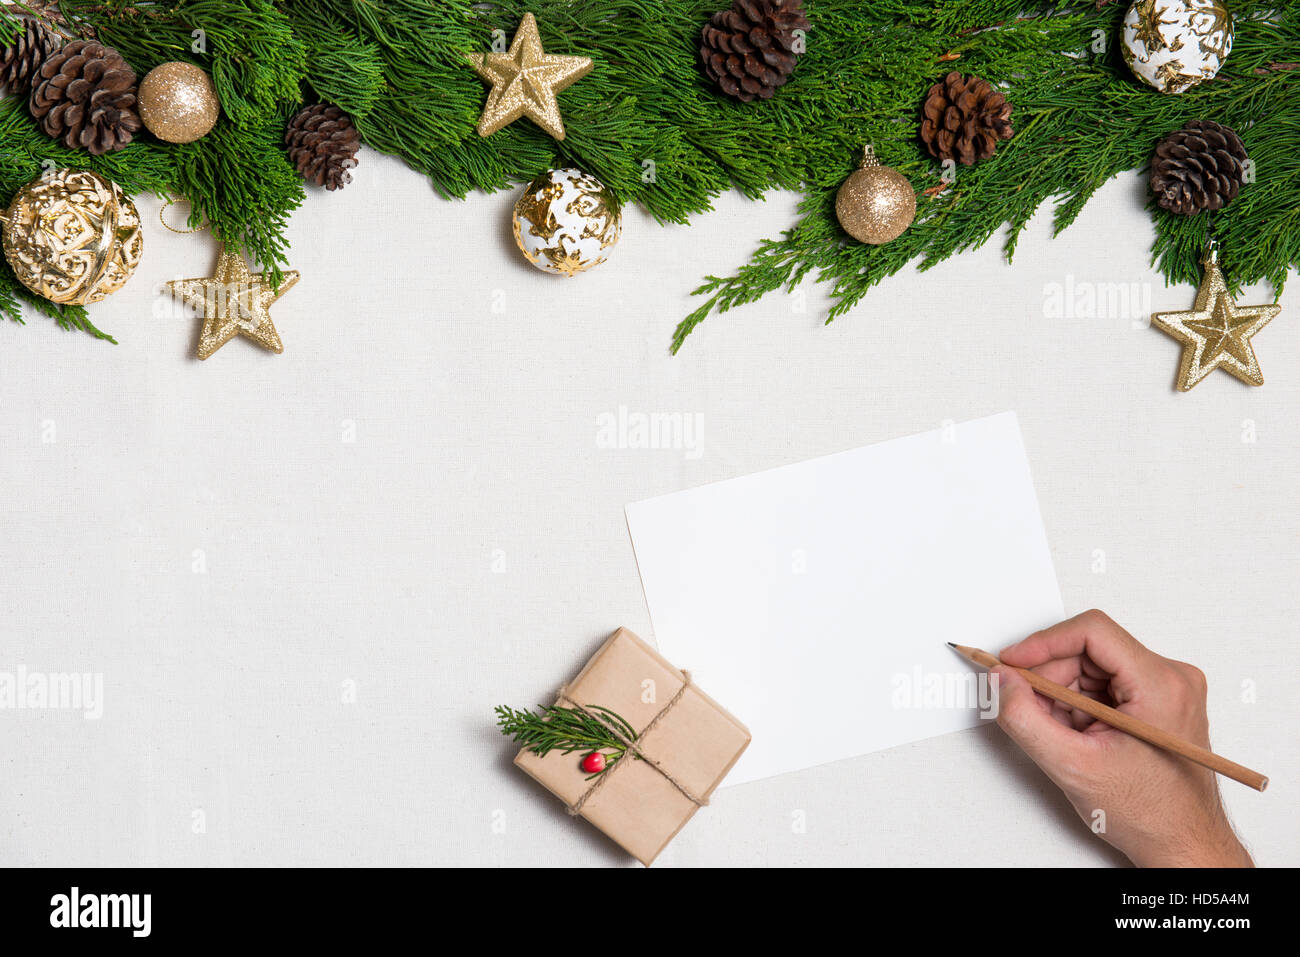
[1096, 647]
[1061, 714]
[1031, 723]
[1064, 671]
[1094, 687]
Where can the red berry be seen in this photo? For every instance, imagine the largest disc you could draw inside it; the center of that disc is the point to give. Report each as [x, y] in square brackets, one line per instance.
[593, 763]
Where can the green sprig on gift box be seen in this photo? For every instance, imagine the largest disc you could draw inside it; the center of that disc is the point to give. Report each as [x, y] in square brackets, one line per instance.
[398, 68]
[566, 730]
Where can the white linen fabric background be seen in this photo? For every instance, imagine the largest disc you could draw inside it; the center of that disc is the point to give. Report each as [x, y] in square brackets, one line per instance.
[307, 579]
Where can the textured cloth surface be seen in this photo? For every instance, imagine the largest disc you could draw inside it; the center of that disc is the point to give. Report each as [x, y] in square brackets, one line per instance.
[306, 579]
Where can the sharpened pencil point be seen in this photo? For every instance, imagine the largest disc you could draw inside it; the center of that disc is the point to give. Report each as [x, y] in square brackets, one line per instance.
[951, 645]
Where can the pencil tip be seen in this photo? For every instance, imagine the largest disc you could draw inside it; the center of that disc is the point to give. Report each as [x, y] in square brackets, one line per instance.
[951, 645]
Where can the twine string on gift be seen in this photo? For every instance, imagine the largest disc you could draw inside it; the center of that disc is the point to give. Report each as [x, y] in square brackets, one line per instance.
[631, 747]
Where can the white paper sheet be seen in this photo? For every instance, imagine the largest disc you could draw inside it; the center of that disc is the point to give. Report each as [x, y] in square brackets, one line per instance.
[814, 600]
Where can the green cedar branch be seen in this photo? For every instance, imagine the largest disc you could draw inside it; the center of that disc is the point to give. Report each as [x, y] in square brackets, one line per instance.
[566, 730]
[1081, 120]
[647, 124]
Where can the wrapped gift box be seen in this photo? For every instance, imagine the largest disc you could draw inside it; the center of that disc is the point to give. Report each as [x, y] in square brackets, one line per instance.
[688, 740]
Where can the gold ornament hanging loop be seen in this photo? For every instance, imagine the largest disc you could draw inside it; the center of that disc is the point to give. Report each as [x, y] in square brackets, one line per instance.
[166, 225]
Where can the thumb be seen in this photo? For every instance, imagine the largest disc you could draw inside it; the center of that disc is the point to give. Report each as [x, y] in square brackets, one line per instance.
[1022, 716]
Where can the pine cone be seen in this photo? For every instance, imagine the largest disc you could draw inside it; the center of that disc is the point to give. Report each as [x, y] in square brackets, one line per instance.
[964, 117]
[22, 58]
[749, 50]
[84, 94]
[1199, 167]
[323, 144]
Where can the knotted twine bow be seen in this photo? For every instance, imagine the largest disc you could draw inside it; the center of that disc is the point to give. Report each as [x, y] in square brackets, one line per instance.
[631, 747]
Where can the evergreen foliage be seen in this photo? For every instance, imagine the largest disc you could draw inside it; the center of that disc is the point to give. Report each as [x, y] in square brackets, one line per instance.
[648, 124]
[566, 730]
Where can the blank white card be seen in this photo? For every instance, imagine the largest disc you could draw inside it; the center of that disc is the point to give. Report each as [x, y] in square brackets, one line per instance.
[814, 600]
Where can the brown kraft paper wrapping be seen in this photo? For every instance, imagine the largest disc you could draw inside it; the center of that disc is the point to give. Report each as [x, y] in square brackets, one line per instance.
[696, 742]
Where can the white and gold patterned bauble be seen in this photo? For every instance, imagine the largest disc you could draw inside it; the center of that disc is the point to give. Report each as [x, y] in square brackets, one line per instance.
[566, 221]
[1175, 44]
[72, 237]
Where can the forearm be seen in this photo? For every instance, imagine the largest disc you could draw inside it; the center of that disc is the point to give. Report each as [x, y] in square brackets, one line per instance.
[1213, 844]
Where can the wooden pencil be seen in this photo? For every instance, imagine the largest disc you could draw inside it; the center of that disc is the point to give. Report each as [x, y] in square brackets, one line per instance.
[1118, 719]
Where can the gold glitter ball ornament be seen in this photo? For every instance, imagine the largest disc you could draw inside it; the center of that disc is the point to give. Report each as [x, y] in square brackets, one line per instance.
[1173, 45]
[876, 203]
[178, 103]
[566, 221]
[72, 237]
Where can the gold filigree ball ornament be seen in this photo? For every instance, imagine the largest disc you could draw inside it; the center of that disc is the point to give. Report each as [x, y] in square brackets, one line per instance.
[1173, 45]
[178, 103]
[72, 237]
[876, 203]
[566, 221]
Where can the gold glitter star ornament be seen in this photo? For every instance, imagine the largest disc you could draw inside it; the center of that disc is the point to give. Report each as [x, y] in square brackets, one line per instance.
[233, 302]
[525, 80]
[1216, 332]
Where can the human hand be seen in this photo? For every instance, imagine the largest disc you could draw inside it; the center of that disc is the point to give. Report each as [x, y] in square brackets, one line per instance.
[1161, 810]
